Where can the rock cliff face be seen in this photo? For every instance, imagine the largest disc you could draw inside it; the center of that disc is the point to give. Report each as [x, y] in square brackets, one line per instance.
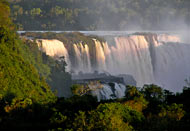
[103, 78]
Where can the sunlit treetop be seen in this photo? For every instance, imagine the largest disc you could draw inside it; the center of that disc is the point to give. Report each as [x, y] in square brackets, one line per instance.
[4, 14]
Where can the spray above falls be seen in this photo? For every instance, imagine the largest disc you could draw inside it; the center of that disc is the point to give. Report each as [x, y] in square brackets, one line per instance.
[149, 58]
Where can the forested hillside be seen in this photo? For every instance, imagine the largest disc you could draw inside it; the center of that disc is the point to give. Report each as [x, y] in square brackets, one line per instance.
[18, 77]
[100, 14]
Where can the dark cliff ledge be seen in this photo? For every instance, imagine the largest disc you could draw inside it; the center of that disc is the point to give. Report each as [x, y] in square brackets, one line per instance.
[103, 78]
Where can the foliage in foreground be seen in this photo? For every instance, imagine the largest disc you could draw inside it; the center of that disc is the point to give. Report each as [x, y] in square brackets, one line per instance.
[84, 113]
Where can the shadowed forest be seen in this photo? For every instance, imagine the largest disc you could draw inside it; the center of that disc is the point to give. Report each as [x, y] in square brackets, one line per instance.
[100, 14]
[29, 80]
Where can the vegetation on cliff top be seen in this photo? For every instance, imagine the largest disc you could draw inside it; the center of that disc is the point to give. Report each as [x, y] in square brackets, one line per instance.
[100, 14]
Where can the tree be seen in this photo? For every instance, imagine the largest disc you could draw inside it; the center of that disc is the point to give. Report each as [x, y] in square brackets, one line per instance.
[113, 116]
[4, 13]
[174, 112]
[80, 122]
[35, 12]
[135, 99]
[153, 92]
[19, 79]
[56, 11]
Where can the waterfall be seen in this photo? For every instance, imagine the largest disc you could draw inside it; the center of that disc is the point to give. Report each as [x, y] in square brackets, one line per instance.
[100, 56]
[158, 59]
[172, 66]
[130, 55]
[149, 58]
[54, 48]
[119, 90]
[133, 57]
[82, 57]
[107, 92]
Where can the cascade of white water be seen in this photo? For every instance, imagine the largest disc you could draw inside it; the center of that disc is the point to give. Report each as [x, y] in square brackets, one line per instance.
[106, 92]
[88, 58]
[109, 61]
[172, 65]
[148, 58]
[133, 57]
[78, 57]
[119, 90]
[83, 57]
[100, 56]
[54, 48]
[153, 61]
[130, 55]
